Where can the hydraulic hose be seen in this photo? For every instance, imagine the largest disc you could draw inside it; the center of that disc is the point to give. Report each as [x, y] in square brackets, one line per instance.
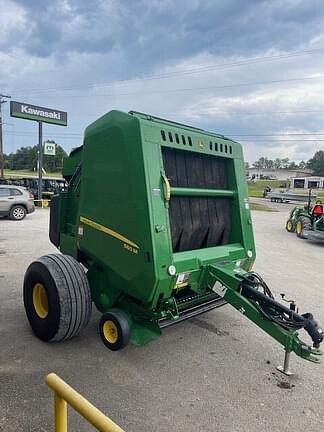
[275, 311]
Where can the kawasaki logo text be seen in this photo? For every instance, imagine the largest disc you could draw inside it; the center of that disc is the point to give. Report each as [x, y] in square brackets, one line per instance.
[53, 115]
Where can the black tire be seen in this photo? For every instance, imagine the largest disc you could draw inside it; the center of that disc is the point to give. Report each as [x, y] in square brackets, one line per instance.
[303, 224]
[290, 226]
[57, 297]
[17, 212]
[116, 336]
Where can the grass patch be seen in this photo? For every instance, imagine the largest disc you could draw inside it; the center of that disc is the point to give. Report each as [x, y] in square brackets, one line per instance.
[262, 207]
[24, 173]
[256, 188]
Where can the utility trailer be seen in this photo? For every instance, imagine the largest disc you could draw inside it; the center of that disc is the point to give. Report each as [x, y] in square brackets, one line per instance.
[286, 196]
[155, 227]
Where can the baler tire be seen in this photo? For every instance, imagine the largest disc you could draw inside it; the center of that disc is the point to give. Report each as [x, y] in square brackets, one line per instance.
[290, 226]
[57, 297]
[303, 224]
[114, 329]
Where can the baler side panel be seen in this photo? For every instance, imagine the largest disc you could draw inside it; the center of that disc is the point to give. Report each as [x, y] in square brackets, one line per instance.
[69, 206]
[158, 210]
[113, 205]
[241, 216]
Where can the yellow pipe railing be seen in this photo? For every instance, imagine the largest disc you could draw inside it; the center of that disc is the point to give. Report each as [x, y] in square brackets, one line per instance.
[44, 202]
[64, 395]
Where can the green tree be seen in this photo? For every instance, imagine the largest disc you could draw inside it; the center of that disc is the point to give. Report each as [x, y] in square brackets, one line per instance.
[292, 165]
[8, 160]
[316, 163]
[302, 165]
[264, 162]
[268, 163]
[260, 163]
[285, 162]
[26, 158]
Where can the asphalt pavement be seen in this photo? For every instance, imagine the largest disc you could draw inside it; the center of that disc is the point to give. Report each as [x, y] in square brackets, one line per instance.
[215, 372]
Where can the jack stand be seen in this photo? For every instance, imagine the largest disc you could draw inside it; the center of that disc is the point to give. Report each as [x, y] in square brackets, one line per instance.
[285, 368]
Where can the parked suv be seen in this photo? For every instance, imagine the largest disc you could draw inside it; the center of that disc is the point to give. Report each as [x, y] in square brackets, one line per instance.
[15, 202]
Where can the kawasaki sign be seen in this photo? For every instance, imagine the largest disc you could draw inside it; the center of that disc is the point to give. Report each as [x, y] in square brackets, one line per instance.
[32, 112]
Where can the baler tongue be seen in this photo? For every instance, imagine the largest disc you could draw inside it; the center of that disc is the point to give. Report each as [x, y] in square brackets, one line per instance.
[250, 295]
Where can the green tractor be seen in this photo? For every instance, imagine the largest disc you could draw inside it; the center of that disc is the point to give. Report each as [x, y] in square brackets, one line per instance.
[154, 228]
[307, 221]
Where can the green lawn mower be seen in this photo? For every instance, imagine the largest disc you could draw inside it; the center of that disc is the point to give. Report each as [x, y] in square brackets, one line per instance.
[154, 228]
[307, 221]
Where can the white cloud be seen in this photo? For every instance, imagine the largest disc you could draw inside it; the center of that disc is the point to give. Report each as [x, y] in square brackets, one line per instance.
[12, 20]
[71, 45]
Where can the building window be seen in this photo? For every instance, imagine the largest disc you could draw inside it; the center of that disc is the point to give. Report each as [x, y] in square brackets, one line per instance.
[313, 184]
[299, 183]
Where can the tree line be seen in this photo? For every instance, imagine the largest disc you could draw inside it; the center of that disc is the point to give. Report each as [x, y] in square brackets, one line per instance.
[26, 158]
[316, 163]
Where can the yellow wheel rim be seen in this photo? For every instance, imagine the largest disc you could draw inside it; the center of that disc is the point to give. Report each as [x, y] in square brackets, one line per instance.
[110, 331]
[289, 225]
[299, 227]
[40, 300]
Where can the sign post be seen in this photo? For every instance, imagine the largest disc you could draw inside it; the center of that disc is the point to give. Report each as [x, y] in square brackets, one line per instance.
[40, 159]
[41, 115]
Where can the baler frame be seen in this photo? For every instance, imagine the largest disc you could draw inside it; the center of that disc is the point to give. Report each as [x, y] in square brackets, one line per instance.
[178, 243]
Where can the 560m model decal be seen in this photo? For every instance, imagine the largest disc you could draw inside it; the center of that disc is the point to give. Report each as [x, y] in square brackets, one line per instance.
[128, 244]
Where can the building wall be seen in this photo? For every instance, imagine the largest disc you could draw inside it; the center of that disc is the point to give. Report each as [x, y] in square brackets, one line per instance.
[312, 182]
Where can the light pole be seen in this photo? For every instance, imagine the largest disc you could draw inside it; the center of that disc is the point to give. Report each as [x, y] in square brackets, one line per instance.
[2, 101]
[40, 160]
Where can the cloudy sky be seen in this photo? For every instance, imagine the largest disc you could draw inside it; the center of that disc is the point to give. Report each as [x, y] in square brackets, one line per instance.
[250, 69]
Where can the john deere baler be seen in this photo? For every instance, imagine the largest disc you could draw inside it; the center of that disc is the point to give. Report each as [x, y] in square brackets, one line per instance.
[157, 213]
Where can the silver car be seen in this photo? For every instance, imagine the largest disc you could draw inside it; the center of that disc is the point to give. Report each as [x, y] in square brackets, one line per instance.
[15, 202]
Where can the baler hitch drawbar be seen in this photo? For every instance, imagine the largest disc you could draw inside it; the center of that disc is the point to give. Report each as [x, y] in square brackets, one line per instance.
[250, 295]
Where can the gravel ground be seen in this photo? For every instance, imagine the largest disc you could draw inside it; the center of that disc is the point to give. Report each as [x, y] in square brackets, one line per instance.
[215, 372]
